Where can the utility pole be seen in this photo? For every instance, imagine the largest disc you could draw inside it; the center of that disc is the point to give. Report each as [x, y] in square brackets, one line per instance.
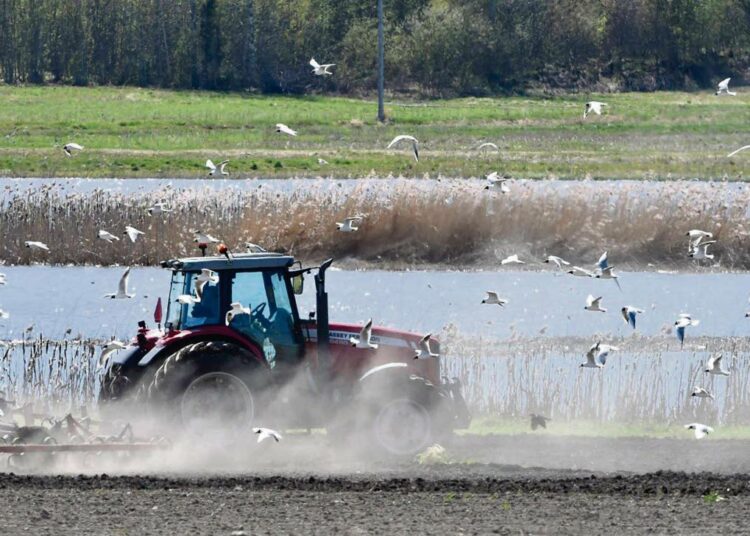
[381, 63]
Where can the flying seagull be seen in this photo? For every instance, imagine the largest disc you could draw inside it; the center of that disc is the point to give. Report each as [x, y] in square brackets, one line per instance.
[495, 181]
[699, 250]
[4, 315]
[132, 233]
[596, 357]
[348, 225]
[629, 313]
[593, 106]
[364, 339]
[70, 147]
[412, 139]
[424, 352]
[559, 262]
[207, 276]
[493, 299]
[603, 262]
[283, 129]
[3, 279]
[594, 304]
[221, 165]
[608, 273]
[122, 288]
[513, 259]
[683, 321]
[236, 310]
[254, 248]
[581, 272]
[538, 421]
[713, 366]
[107, 236]
[267, 433]
[724, 87]
[160, 207]
[36, 245]
[701, 430]
[204, 238]
[321, 70]
[700, 392]
[107, 350]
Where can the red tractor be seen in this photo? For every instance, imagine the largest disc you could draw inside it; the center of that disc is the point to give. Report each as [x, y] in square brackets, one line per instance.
[235, 351]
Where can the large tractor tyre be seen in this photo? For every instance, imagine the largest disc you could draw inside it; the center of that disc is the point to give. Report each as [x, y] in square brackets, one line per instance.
[208, 387]
[402, 415]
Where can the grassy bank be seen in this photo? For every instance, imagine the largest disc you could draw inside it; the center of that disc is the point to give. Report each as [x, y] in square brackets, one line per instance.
[151, 133]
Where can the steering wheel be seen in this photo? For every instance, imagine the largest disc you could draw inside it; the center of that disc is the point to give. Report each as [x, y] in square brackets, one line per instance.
[256, 315]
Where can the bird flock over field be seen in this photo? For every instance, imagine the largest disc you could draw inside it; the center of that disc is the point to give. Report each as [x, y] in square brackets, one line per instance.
[699, 245]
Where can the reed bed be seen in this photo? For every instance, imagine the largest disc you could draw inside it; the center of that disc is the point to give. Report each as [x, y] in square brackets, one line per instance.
[406, 222]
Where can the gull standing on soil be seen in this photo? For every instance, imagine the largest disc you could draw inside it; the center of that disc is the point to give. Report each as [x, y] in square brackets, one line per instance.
[488, 145]
[513, 259]
[493, 299]
[412, 139]
[424, 352]
[321, 70]
[70, 147]
[267, 433]
[31, 244]
[700, 392]
[628, 314]
[608, 273]
[683, 321]
[107, 236]
[347, 226]
[724, 87]
[283, 129]
[365, 336]
[538, 421]
[713, 366]
[701, 430]
[132, 233]
[495, 181]
[559, 262]
[581, 272]
[160, 207]
[596, 357]
[212, 167]
[594, 304]
[122, 288]
[236, 310]
[593, 106]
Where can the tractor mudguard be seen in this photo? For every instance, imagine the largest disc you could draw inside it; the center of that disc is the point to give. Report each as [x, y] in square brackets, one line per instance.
[169, 346]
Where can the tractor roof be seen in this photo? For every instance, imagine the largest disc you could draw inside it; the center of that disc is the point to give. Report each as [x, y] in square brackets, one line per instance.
[240, 261]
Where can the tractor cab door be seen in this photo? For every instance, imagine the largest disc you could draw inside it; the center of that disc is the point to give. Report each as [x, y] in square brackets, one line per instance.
[272, 323]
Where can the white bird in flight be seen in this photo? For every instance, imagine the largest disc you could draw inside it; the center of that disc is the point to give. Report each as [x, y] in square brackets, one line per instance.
[160, 207]
[236, 310]
[683, 321]
[493, 299]
[254, 248]
[603, 261]
[267, 433]
[495, 181]
[204, 238]
[594, 304]
[221, 166]
[629, 313]
[700, 392]
[321, 70]
[412, 139]
[713, 366]
[608, 273]
[724, 87]
[4, 315]
[107, 350]
[364, 338]
[31, 244]
[596, 357]
[348, 225]
[3, 279]
[283, 129]
[513, 259]
[122, 288]
[207, 276]
[132, 233]
[700, 250]
[593, 106]
[70, 147]
[581, 272]
[700, 430]
[107, 236]
[424, 351]
[558, 261]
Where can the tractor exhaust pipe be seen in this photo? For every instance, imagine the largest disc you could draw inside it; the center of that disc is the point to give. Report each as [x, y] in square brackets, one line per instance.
[323, 328]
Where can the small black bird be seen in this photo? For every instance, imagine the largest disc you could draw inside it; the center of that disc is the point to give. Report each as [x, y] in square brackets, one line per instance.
[538, 420]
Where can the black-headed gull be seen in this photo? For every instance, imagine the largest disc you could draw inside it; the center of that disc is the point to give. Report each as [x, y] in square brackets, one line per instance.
[700, 430]
[4, 315]
[558, 261]
[32, 244]
[348, 225]
[221, 166]
[683, 321]
[700, 392]
[132, 233]
[283, 129]
[3, 279]
[594, 304]
[204, 238]
[512, 259]
[493, 299]
[629, 313]
[593, 106]
[254, 248]
[494, 181]
[160, 207]
[69, 148]
[107, 236]
[107, 350]
[267, 433]
[700, 250]
[603, 262]
[596, 357]
[236, 310]
[412, 139]
[723, 87]
[207, 276]
[321, 70]
[581, 272]
[713, 366]
[364, 338]
[122, 288]
[608, 273]
[423, 351]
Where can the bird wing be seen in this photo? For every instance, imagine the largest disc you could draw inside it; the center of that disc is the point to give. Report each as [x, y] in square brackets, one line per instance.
[631, 315]
[366, 332]
[488, 144]
[590, 300]
[626, 314]
[492, 295]
[74, 146]
[210, 165]
[424, 344]
[223, 164]
[401, 137]
[314, 64]
[717, 361]
[724, 83]
[602, 262]
[123, 286]
[738, 150]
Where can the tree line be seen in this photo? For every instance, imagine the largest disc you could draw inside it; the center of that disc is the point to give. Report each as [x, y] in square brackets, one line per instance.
[433, 47]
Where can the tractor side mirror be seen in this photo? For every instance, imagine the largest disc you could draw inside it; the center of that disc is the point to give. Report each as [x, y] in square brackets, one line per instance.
[298, 283]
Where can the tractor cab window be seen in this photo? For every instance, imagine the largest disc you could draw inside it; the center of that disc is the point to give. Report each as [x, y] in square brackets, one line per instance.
[271, 317]
[204, 312]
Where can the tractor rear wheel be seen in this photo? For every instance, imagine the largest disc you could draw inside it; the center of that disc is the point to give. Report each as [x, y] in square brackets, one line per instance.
[208, 387]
